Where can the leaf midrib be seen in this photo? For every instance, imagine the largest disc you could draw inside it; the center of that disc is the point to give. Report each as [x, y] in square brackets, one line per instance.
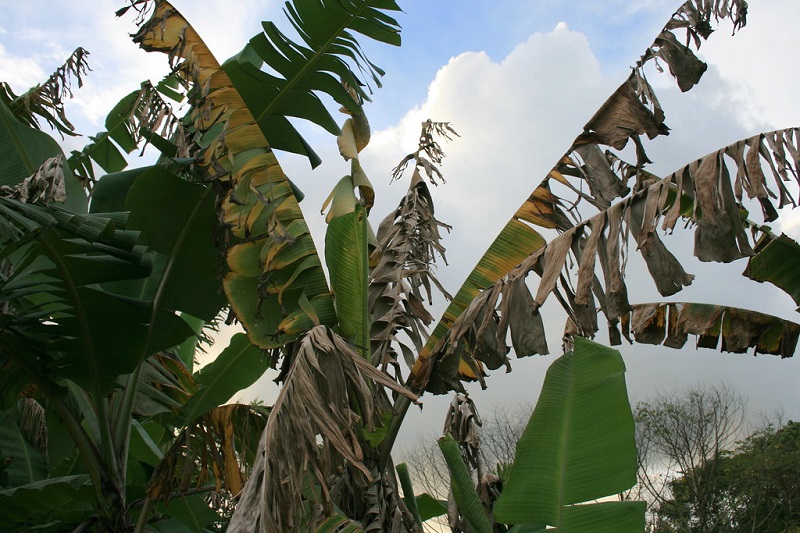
[565, 439]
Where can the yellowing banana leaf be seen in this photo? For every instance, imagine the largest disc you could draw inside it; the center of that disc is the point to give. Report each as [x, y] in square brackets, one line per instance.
[260, 205]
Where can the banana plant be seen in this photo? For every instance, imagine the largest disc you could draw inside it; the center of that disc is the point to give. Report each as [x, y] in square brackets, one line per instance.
[100, 320]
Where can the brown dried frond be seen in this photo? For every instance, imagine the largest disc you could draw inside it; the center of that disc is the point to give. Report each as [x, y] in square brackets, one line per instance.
[409, 240]
[32, 423]
[313, 432]
[46, 101]
[433, 153]
[463, 423]
[142, 8]
[45, 186]
[713, 194]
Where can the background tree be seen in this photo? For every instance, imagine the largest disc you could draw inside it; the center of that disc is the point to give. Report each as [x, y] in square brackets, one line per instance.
[685, 433]
[753, 487]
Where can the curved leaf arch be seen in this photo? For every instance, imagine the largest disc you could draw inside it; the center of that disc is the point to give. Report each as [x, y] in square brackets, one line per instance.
[705, 193]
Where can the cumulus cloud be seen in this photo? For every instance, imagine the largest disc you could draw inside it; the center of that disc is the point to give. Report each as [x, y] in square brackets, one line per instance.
[19, 73]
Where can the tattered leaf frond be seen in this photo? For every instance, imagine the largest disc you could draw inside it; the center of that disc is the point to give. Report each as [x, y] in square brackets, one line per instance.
[273, 262]
[386, 511]
[218, 449]
[313, 432]
[408, 242]
[463, 423]
[46, 101]
[631, 112]
[730, 329]
[429, 154]
[705, 192]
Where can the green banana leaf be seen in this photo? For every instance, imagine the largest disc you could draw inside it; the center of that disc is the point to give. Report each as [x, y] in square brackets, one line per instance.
[346, 257]
[408, 492]
[62, 500]
[177, 219]
[469, 504]
[578, 447]
[192, 513]
[778, 262]
[22, 463]
[429, 507]
[320, 65]
[83, 332]
[237, 367]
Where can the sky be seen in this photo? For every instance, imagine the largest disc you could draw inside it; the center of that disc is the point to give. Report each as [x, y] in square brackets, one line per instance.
[517, 79]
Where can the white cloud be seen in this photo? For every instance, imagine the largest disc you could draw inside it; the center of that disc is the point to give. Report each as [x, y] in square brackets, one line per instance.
[20, 73]
[761, 62]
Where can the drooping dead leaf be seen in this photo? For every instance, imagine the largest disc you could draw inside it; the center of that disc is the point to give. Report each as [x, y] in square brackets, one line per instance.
[217, 448]
[45, 186]
[46, 101]
[403, 276]
[738, 329]
[312, 433]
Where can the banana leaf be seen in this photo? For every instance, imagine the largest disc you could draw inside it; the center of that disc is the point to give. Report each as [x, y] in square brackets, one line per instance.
[578, 447]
